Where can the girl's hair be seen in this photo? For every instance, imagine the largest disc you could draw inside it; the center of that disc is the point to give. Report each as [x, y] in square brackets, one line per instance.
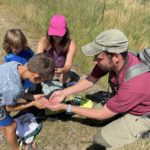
[64, 42]
[14, 38]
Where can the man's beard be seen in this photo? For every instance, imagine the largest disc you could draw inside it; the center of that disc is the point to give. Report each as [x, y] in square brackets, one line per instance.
[108, 68]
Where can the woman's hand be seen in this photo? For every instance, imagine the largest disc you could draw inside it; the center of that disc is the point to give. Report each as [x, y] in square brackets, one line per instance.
[59, 70]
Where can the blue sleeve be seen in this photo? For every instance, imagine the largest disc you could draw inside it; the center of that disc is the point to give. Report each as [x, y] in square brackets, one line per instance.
[26, 53]
[13, 57]
[28, 84]
[29, 51]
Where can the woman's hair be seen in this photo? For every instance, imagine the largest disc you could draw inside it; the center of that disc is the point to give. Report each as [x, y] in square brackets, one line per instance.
[64, 42]
[14, 38]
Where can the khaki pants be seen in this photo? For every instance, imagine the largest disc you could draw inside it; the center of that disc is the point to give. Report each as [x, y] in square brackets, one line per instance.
[121, 132]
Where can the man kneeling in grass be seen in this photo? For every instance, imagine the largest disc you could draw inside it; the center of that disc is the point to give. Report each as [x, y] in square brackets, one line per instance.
[131, 98]
[12, 75]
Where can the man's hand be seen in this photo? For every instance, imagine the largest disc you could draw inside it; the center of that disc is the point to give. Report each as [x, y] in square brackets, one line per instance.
[59, 106]
[45, 102]
[57, 97]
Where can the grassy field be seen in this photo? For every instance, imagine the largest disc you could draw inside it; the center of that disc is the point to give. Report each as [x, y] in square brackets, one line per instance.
[86, 18]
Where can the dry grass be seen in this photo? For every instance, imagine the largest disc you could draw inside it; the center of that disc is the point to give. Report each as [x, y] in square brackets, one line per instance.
[86, 19]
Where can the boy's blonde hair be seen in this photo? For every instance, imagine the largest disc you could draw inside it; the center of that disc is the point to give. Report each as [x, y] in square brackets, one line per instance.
[14, 38]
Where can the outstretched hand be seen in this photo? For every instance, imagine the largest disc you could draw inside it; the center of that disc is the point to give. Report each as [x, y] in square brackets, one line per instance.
[38, 97]
[38, 104]
[57, 97]
[45, 102]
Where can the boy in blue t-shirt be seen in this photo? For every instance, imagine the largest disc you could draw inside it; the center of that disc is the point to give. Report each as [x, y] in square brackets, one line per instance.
[12, 74]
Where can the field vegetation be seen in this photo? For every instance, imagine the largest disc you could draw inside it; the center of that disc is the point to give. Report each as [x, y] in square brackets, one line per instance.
[86, 19]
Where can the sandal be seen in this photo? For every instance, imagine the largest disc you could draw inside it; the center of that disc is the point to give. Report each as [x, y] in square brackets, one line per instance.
[2, 138]
[30, 146]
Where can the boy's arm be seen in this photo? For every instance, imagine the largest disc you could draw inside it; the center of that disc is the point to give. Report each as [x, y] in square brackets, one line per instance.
[31, 97]
[22, 106]
[28, 96]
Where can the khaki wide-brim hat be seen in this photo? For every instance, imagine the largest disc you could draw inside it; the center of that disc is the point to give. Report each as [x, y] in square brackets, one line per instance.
[112, 41]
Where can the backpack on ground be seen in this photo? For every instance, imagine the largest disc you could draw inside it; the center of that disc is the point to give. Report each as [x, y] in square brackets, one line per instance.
[27, 128]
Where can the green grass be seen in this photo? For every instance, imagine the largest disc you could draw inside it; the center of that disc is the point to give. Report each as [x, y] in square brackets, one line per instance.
[87, 18]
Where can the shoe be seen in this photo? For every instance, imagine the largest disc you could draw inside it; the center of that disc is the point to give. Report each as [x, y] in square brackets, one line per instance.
[30, 146]
[145, 135]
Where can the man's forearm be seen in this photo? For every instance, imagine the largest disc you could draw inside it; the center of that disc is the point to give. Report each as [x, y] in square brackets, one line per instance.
[78, 87]
[98, 114]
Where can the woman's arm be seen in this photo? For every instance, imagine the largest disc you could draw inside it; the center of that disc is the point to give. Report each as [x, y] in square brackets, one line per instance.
[70, 57]
[42, 44]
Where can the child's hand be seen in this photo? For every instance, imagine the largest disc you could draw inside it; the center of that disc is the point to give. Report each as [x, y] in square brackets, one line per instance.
[38, 105]
[38, 97]
[48, 105]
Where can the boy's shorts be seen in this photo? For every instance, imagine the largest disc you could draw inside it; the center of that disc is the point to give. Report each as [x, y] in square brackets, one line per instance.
[5, 119]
